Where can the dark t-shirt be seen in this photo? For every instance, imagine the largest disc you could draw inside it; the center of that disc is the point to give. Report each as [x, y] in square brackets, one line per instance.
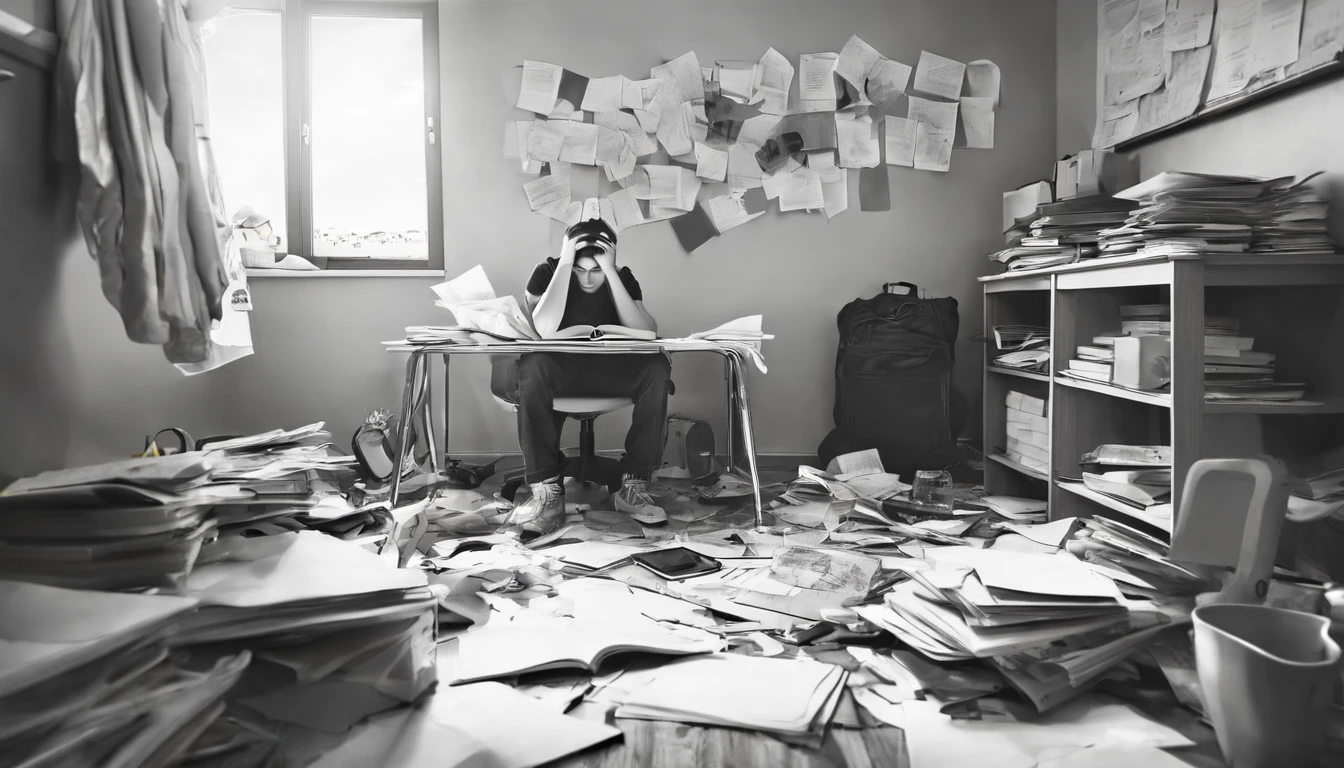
[581, 307]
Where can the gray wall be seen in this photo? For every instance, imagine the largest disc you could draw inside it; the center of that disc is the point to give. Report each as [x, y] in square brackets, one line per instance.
[78, 391]
[1075, 75]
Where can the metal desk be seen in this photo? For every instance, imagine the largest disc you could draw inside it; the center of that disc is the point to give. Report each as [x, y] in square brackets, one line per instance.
[417, 381]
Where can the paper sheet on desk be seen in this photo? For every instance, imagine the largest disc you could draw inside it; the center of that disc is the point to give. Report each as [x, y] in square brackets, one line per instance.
[471, 299]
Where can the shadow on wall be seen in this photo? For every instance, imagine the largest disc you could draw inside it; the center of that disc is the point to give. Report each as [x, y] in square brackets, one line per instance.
[37, 235]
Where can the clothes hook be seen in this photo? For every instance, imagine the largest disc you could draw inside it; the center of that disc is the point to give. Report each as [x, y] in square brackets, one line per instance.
[6, 75]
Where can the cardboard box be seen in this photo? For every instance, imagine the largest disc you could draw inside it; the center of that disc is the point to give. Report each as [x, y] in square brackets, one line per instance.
[1094, 172]
[1142, 362]
[1022, 202]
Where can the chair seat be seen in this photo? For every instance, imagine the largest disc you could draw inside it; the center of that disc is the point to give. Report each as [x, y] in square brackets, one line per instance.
[580, 407]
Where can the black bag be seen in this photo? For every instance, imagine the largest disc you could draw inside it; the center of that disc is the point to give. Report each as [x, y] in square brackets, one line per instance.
[893, 382]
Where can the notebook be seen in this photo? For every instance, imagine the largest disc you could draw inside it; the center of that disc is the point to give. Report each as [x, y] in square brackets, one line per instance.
[602, 332]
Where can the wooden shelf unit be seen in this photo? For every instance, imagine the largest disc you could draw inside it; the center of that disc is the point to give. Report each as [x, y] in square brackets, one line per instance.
[1274, 297]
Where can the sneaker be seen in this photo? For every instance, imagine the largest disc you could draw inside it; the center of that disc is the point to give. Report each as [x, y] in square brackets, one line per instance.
[634, 500]
[542, 512]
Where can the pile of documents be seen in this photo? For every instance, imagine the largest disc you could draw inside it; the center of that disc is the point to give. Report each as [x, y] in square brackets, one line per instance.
[86, 679]
[1023, 347]
[1028, 432]
[1048, 622]
[1189, 215]
[337, 633]
[1137, 562]
[123, 525]
[1064, 232]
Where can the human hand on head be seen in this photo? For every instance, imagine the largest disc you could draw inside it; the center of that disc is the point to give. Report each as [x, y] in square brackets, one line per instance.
[607, 258]
[568, 247]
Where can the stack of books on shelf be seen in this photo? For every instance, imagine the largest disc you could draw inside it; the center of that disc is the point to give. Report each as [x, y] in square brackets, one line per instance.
[1063, 232]
[1186, 215]
[1093, 361]
[1028, 432]
[1138, 476]
[1023, 347]
[1233, 370]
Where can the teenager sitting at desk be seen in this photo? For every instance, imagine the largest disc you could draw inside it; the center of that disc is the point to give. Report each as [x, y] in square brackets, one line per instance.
[583, 286]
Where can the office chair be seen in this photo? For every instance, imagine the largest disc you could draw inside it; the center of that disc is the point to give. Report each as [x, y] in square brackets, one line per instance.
[587, 466]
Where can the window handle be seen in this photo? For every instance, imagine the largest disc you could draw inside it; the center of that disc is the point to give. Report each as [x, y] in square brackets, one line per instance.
[430, 122]
[307, 133]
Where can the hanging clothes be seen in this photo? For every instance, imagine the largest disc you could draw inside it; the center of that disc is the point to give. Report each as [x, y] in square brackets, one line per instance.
[131, 108]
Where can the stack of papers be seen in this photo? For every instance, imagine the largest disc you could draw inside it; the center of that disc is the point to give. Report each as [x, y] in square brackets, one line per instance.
[122, 525]
[1188, 215]
[791, 699]
[85, 679]
[1047, 621]
[1023, 347]
[1137, 562]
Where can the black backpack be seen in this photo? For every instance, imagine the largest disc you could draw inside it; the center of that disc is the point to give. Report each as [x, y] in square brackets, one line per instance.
[893, 382]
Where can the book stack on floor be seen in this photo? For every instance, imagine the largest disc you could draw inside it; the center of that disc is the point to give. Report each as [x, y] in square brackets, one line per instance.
[1188, 215]
[1028, 432]
[1138, 476]
[1023, 347]
[1064, 232]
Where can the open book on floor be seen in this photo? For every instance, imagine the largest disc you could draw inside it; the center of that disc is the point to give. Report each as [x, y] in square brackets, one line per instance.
[602, 332]
[509, 650]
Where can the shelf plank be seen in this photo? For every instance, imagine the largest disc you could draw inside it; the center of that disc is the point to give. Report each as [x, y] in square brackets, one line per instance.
[1328, 404]
[1013, 465]
[1078, 489]
[1262, 269]
[1151, 398]
[1021, 374]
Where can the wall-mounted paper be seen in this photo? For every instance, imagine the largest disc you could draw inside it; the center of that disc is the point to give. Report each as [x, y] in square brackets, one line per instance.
[823, 162]
[545, 140]
[816, 81]
[933, 148]
[1278, 27]
[674, 130]
[900, 141]
[1322, 34]
[737, 79]
[605, 94]
[743, 170]
[887, 83]
[774, 80]
[625, 209]
[857, 139]
[1180, 97]
[547, 190]
[939, 76]
[755, 130]
[729, 211]
[1151, 14]
[977, 117]
[1189, 25]
[1117, 124]
[941, 116]
[856, 60]
[540, 87]
[801, 191]
[580, 145]
[983, 79]
[835, 195]
[1232, 68]
[685, 72]
[711, 164]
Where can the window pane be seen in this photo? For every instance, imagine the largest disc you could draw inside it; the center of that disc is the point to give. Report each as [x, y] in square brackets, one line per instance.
[370, 196]
[245, 72]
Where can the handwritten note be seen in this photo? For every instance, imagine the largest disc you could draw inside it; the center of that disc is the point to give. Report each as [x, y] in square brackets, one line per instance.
[1277, 33]
[977, 117]
[774, 79]
[856, 60]
[710, 164]
[887, 83]
[939, 76]
[933, 148]
[540, 86]
[901, 141]
[1189, 26]
[816, 81]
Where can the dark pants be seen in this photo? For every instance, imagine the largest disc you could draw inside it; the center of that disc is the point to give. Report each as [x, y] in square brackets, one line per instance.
[534, 380]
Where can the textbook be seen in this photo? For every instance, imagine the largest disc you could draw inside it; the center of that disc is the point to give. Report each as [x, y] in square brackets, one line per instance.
[602, 332]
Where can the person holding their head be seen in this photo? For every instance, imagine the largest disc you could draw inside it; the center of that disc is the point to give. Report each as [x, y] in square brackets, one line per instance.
[583, 286]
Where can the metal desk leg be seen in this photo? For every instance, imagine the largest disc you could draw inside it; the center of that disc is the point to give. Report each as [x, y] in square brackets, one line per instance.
[413, 372]
[748, 438]
[731, 457]
[447, 408]
[427, 420]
